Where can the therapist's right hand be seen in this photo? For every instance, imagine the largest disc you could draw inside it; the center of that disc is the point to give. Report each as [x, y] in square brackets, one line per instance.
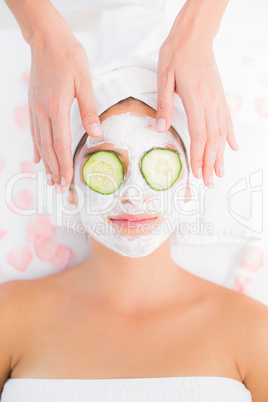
[59, 73]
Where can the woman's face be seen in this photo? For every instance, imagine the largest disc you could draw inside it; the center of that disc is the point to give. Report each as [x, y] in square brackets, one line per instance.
[136, 218]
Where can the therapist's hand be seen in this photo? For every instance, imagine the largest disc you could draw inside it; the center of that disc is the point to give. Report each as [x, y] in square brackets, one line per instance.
[59, 73]
[187, 66]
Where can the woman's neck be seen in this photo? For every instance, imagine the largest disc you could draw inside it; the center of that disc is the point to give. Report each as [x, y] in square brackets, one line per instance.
[133, 285]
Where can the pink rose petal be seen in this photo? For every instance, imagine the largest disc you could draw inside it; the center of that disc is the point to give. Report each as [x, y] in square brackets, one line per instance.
[42, 227]
[22, 200]
[234, 101]
[62, 256]
[21, 116]
[27, 167]
[2, 164]
[2, 233]
[45, 248]
[253, 259]
[242, 284]
[20, 257]
[261, 105]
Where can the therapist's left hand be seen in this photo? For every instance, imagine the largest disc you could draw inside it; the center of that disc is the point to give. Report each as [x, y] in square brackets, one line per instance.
[187, 66]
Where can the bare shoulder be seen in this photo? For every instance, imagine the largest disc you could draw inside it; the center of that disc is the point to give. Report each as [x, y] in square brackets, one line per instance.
[25, 298]
[20, 303]
[17, 299]
[254, 346]
[24, 295]
[12, 294]
[248, 322]
[21, 296]
[11, 322]
[15, 294]
[10, 297]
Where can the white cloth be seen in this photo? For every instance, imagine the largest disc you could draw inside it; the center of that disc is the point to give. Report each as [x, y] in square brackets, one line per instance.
[93, 5]
[164, 389]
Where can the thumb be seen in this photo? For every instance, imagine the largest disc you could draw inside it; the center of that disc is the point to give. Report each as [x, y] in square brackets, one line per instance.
[88, 110]
[165, 100]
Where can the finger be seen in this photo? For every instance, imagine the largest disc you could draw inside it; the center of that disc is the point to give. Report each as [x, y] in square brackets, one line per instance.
[36, 157]
[47, 147]
[165, 99]
[222, 127]
[49, 176]
[198, 134]
[87, 107]
[219, 165]
[230, 133]
[211, 146]
[62, 146]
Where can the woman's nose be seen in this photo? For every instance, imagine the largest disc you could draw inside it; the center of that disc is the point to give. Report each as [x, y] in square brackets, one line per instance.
[133, 198]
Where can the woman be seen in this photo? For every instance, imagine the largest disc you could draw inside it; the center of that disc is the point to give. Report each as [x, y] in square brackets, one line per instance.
[59, 76]
[128, 323]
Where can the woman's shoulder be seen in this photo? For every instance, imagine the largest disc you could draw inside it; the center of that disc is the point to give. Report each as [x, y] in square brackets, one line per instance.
[17, 302]
[17, 291]
[252, 316]
[237, 308]
[27, 297]
[247, 321]
[21, 301]
[28, 293]
[13, 320]
[232, 301]
[12, 293]
[253, 353]
[20, 298]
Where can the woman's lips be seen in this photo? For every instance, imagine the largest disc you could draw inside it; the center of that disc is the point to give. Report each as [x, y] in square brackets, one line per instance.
[132, 221]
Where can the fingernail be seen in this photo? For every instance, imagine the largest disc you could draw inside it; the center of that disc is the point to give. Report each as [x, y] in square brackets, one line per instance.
[160, 124]
[221, 171]
[63, 182]
[210, 181]
[236, 145]
[58, 189]
[35, 158]
[95, 129]
[50, 179]
[199, 173]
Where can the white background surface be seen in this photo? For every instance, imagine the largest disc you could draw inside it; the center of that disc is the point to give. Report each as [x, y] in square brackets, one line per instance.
[243, 19]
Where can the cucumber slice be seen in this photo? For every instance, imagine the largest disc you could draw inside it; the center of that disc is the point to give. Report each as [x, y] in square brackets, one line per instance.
[103, 172]
[161, 168]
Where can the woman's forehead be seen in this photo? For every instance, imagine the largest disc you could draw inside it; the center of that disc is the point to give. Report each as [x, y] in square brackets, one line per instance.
[132, 132]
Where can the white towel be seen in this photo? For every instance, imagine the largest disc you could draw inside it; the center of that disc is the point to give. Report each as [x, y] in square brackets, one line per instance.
[163, 389]
[99, 5]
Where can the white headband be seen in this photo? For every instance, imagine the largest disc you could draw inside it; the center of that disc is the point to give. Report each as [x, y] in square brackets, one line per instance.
[119, 79]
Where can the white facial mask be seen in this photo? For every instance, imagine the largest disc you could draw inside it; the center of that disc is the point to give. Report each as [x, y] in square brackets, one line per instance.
[137, 135]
